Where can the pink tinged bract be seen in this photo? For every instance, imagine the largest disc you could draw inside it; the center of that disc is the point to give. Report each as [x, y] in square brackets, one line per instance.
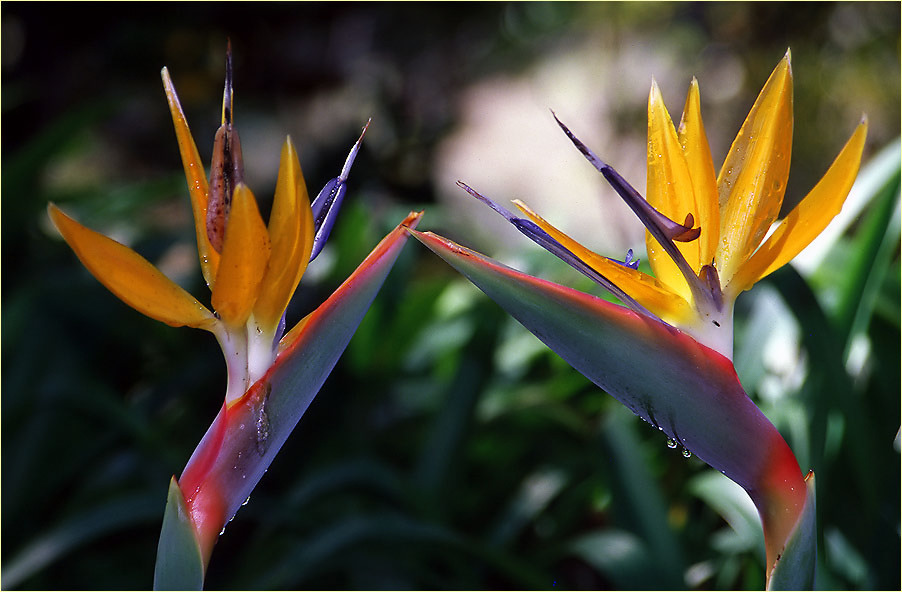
[246, 434]
[687, 390]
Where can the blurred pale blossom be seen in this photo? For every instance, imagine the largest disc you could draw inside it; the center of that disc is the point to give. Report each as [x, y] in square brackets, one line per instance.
[508, 144]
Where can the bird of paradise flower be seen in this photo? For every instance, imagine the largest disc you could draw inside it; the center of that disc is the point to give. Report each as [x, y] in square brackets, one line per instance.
[252, 269]
[667, 354]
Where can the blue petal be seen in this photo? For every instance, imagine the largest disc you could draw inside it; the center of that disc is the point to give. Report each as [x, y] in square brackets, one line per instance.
[547, 242]
[328, 201]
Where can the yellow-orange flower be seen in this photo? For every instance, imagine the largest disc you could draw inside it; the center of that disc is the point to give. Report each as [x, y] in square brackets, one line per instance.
[699, 271]
[252, 268]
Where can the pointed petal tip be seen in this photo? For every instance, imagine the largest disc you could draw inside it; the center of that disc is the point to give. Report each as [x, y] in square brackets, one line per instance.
[654, 94]
[412, 219]
[430, 238]
[168, 87]
[289, 145]
[521, 205]
[599, 164]
[352, 155]
[366, 126]
[57, 217]
[787, 59]
[487, 201]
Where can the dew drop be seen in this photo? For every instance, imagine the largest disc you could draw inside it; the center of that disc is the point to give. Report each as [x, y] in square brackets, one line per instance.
[671, 443]
[244, 503]
[222, 532]
[686, 453]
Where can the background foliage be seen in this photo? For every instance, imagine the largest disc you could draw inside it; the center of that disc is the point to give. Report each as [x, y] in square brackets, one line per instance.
[449, 449]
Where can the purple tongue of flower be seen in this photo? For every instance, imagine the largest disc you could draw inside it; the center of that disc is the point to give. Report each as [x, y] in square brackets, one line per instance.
[662, 228]
[547, 242]
[328, 201]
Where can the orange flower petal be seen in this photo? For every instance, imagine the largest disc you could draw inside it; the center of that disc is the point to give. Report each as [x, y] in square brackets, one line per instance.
[753, 178]
[131, 277]
[291, 233]
[646, 290]
[244, 256]
[197, 181]
[670, 191]
[694, 141]
[809, 218]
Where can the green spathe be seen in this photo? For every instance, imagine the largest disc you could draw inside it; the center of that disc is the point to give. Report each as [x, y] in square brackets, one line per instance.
[179, 563]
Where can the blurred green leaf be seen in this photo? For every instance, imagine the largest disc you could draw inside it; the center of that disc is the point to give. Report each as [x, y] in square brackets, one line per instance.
[111, 516]
[735, 507]
[641, 503]
[621, 556]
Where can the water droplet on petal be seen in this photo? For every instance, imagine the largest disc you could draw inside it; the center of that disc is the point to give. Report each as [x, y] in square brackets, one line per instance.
[244, 503]
[671, 443]
[686, 453]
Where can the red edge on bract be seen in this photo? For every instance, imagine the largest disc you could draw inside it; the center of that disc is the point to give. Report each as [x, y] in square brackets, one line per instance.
[778, 489]
[205, 502]
[385, 246]
[205, 505]
[783, 497]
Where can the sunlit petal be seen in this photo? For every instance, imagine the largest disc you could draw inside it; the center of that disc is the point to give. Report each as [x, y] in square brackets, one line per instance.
[753, 178]
[670, 191]
[645, 289]
[291, 233]
[808, 219]
[663, 228]
[131, 277]
[197, 181]
[694, 141]
[245, 254]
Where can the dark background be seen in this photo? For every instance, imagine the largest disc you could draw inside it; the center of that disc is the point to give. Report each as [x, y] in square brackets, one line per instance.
[449, 449]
